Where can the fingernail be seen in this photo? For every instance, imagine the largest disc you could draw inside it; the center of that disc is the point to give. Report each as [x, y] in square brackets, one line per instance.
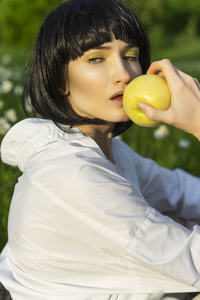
[140, 105]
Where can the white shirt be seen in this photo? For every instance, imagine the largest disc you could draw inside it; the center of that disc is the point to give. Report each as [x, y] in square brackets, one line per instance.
[81, 227]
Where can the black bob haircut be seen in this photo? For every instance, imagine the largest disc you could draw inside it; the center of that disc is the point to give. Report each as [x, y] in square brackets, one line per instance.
[67, 32]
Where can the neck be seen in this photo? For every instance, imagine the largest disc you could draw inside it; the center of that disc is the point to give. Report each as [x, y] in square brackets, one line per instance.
[102, 135]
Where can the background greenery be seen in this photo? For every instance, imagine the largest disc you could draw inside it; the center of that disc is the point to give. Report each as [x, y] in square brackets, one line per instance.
[174, 30]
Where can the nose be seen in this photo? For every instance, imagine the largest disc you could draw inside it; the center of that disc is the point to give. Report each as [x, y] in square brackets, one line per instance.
[121, 71]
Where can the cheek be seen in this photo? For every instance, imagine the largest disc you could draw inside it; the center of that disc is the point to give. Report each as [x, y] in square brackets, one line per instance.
[138, 69]
[134, 70]
[81, 88]
[82, 79]
[82, 91]
[85, 84]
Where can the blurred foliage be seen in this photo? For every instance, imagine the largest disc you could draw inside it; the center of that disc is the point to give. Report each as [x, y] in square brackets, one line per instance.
[20, 19]
[169, 22]
[175, 16]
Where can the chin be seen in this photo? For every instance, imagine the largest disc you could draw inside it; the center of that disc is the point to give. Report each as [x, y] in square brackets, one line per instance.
[120, 117]
[125, 118]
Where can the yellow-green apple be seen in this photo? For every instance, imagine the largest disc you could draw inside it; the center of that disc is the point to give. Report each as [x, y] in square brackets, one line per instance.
[149, 88]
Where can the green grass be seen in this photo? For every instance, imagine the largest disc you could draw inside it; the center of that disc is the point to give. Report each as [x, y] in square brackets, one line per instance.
[184, 54]
[165, 151]
[8, 175]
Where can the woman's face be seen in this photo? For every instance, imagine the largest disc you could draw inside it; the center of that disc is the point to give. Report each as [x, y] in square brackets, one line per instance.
[96, 80]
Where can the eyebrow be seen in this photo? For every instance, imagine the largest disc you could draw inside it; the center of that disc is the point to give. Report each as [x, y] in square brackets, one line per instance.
[108, 47]
[101, 47]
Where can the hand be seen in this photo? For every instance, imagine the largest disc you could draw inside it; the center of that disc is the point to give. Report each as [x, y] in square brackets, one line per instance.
[184, 112]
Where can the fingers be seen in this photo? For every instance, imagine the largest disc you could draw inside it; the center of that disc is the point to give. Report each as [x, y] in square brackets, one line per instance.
[197, 83]
[175, 78]
[152, 113]
[184, 112]
[157, 65]
[167, 70]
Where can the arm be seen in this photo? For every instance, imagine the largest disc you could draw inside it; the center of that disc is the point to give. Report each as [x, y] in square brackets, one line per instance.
[184, 112]
[169, 191]
[164, 189]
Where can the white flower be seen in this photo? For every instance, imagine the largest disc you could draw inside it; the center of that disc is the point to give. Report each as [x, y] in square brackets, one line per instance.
[4, 125]
[118, 137]
[16, 75]
[184, 144]
[5, 73]
[1, 104]
[6, 59]
[6, 87]
[161, 132]
[2, 69]
[18, 90]
[2, 121]
[28, 105]
[11, 115]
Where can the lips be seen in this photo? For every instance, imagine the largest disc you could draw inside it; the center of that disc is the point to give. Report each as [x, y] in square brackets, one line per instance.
[117, 97]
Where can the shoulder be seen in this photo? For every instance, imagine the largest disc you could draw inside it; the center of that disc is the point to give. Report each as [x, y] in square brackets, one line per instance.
[30, 139]
[125, 156]
[20, 136]
[123, 151]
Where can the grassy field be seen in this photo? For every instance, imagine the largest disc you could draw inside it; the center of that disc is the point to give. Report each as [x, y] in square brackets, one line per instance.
[168, 146]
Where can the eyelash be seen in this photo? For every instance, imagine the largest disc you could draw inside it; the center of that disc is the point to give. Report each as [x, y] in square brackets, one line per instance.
[96, 60]
[132, 58]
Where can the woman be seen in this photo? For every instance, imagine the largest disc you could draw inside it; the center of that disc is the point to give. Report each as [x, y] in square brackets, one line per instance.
[84, 220]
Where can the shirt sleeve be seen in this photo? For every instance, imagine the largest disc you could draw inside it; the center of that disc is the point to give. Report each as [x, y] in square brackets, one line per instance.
[170, 191]
[166, 190]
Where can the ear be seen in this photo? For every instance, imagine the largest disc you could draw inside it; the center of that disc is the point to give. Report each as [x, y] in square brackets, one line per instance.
[64, 92]
[64, 88]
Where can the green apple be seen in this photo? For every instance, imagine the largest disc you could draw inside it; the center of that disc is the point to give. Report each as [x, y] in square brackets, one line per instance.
[152, 89]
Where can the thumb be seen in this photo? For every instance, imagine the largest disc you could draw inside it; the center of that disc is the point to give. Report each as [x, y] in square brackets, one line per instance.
[152, 113]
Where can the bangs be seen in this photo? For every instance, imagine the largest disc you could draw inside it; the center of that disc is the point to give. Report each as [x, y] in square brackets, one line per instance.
[77, 26]
[94, 24]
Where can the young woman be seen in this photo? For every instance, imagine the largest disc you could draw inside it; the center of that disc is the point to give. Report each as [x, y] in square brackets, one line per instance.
[85, 219]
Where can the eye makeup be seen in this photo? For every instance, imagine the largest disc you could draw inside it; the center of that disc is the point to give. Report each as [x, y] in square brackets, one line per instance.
[132, 53]
[99, 54]
[95, 58]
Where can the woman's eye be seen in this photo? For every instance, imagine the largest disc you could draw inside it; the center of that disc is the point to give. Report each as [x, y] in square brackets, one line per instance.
[95, 60]
[131, 57]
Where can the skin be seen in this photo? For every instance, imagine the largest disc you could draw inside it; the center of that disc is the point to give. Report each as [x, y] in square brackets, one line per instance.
[92, 81]
[184, 112]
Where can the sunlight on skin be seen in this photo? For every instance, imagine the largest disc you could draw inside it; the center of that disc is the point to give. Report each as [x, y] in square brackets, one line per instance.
[197, 297]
